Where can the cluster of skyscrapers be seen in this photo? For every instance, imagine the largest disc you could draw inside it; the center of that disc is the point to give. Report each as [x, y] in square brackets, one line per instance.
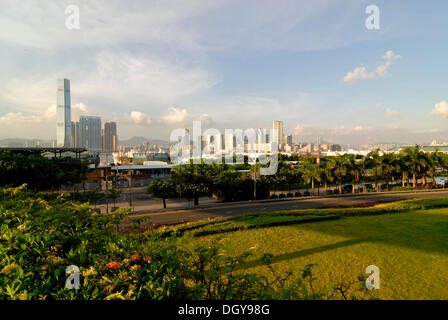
[88, 132]
[252, 140]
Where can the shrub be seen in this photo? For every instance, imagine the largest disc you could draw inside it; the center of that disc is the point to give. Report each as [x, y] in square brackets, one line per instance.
[40, 238]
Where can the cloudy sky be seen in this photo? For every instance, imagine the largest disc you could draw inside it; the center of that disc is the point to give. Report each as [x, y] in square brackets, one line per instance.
[153, 66]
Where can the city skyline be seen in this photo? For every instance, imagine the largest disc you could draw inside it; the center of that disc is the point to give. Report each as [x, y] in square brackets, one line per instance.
[316, 66]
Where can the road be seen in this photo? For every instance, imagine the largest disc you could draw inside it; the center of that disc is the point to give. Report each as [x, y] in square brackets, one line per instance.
[176, 216]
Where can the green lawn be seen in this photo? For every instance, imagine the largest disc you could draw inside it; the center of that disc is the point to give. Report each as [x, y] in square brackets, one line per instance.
[410, 248]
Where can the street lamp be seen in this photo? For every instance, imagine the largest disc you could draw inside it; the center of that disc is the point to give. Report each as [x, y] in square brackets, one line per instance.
[130, 192]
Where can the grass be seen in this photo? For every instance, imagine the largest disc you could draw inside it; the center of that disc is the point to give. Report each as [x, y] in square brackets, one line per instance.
[257, 222]
[409, 246]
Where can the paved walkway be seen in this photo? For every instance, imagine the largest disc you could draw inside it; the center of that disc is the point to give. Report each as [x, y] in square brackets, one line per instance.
[228, 209]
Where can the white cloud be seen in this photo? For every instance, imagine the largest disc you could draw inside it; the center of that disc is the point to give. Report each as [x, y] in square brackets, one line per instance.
[329, 133]
[77, 110]
[117, 78]
[120, 76]
[441, 109]
[343, 131]
[139, 118]
[50, 113]
[32, 95]
[303, 130]
[169, 24]
[390, 55]
[206, 120]
[103, 23]
[19, 117]
[389, 113]
[361, 73]
[176, 116]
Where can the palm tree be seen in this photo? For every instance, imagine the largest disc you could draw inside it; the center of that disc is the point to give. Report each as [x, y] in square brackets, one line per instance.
[434, 164]
[339, 169]
[310, 174]
[364, 165]
[402, 164]
[373, 161]
[327, 174]
[413, 160]
[389, 167]
[354, 169]
[425, 166]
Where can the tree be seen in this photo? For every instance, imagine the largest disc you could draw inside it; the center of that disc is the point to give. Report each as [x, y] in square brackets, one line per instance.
[354, 169]
[161, 189]
[389, 167]
[83, 171]
[228, 184]
[403, 166]
[113, 193]
[413, 159]
[373, 161]
[436, 163]
[195, 179]
[339, 169]
[39, 173]
[327, 174]
[311, 174]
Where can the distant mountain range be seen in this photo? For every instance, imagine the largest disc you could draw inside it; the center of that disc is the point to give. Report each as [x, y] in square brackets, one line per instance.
[13, 142]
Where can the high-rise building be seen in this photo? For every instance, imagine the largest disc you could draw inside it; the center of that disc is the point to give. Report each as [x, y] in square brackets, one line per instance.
[75, 134]
[262, 136]
[289, 140]
[278, 132]
[219, 142]
[63, 114]
[90, 133]
[229, 142]
[110, 138]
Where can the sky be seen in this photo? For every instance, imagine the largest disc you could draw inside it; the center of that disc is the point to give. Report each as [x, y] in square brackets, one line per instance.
[153, 66]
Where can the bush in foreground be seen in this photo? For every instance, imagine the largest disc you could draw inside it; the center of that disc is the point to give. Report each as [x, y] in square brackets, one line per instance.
[41, 238]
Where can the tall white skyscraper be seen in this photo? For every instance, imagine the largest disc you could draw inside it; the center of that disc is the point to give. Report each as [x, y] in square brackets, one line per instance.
[63, 114]
[229, 142]
[278, 132]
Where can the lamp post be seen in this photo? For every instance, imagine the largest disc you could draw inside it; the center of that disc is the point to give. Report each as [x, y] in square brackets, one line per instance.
[255, 176]
[255, 185]
[130, 192]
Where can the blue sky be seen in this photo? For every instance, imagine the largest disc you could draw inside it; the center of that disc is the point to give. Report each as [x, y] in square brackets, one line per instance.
[153, 66]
